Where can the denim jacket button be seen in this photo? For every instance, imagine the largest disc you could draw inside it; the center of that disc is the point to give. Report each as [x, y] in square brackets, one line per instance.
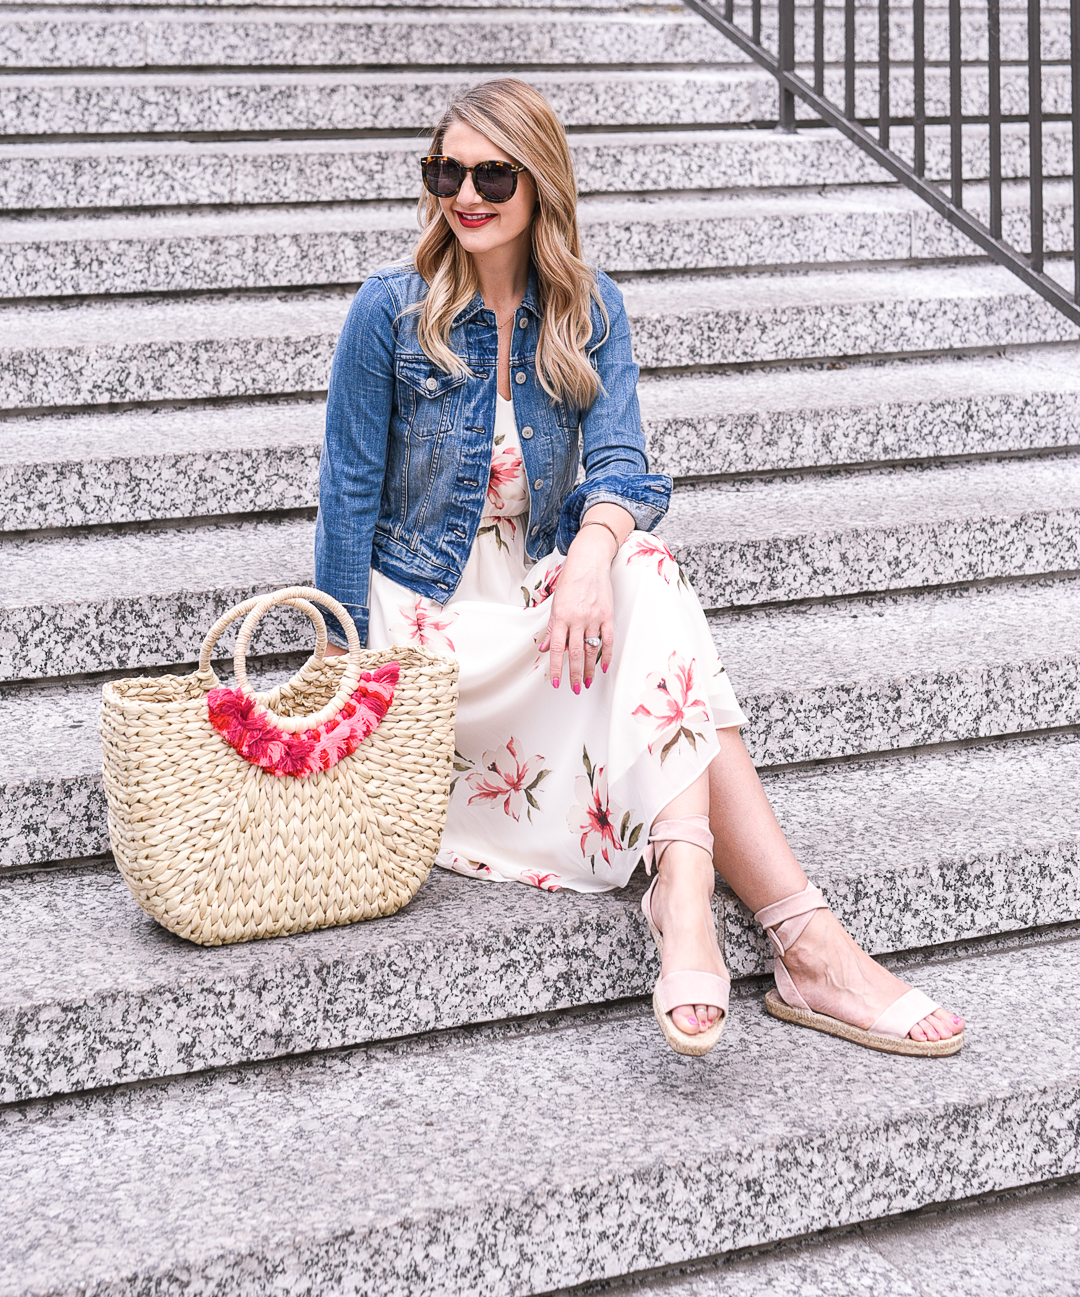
[432, 384]
[519, 378]
[526, 432]
[523, 323]
[538, 484]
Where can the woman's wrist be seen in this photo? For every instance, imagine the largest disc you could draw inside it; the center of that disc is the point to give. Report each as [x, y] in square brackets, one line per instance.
[602, 530]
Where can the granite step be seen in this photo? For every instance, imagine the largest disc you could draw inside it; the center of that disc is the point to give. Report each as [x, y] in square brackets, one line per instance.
[202, 461]
[1017, 1244]
[279, 1176]
[348, 102]
[911, 853]
[110, 600]
[882, 674]
[46, 177]
[299, 247]
[71, 38]
[53, 355]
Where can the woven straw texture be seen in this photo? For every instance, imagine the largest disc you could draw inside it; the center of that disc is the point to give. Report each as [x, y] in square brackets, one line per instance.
[218, 850]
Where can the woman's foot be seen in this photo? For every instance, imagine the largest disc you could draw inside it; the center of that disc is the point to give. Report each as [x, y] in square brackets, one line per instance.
[837, 977]
[682, 910]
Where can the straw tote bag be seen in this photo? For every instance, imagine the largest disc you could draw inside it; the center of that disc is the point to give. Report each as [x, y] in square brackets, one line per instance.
[236, 815]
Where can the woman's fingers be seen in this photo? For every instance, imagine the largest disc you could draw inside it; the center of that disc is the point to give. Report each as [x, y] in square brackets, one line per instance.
[575, 646]
[607, 636]
[555, 645]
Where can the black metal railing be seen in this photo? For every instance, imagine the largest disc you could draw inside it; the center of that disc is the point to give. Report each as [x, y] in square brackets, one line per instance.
[877, 133]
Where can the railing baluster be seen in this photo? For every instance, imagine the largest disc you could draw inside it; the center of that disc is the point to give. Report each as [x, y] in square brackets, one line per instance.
[755, 21]
[1074, 20]
[786, 51]
[1035, 165]
[993, 14]
[849, 59]
[729, 10]
[947, 201]
[883, 72]
[919, 35]
[956, 106]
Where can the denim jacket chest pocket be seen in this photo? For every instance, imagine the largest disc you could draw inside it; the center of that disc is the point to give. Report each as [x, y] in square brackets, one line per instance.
[427, 400]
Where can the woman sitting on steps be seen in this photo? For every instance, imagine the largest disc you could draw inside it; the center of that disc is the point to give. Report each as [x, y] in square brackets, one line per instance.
[449, 517]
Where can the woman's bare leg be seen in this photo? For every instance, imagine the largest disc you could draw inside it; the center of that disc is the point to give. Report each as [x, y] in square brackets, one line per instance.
[682, 908]
[753, 857]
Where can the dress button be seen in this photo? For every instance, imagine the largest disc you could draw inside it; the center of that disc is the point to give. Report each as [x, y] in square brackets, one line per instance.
[432, 384]
[519, 378]
[538, 483]
[523, 323]
[526, 432]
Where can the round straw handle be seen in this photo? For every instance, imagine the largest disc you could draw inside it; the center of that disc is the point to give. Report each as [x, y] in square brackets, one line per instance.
[241, 610]
[349, 681]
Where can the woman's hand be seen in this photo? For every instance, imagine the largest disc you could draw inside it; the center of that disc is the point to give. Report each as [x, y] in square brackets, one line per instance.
[582, 605]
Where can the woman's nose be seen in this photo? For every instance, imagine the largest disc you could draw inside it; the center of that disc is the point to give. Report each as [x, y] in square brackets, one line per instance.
[467, 193]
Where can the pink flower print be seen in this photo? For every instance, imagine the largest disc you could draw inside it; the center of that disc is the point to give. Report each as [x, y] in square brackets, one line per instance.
[459, 864]
[505, 778]
[648, 548]
[597, 818]
[425, 624]
[674, 709]
[546, 882]
[543, 587]
[505, 472]
[495, 529]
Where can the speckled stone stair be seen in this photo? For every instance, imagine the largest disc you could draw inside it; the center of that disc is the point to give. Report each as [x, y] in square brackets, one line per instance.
[305, 246]
[840, 680]
[185, 37]
[1011, 1244]
[510, 1164]
[200, 461]
[179, 38]
[73, 604]
[93, 993]
[134, 350]
[138, 103]
[105, 174]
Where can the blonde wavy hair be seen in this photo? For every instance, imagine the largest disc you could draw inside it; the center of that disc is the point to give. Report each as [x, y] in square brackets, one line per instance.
[520, 121]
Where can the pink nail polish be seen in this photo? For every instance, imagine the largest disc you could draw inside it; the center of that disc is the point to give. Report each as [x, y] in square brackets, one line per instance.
[693, 1022]
[603, 667]
[588, 682]
[555, 683]
[576, 688]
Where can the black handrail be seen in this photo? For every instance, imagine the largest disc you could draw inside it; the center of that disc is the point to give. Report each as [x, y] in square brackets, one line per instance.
[948, 200]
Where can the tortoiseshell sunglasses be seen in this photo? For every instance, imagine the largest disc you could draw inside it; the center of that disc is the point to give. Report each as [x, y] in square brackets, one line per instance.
[494, 181]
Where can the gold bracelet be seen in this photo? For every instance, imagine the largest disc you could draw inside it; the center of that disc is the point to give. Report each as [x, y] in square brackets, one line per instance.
[595, 522]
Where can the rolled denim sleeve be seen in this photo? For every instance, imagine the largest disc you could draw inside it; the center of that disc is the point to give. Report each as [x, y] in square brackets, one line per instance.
[353, 462]
[612, 443]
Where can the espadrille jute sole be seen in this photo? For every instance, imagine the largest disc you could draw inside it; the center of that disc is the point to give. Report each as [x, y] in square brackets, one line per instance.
[682, 1043]
[857, 1035]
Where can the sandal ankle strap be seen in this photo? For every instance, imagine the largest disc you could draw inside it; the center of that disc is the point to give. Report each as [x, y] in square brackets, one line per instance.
[687, 828]
[802, 905]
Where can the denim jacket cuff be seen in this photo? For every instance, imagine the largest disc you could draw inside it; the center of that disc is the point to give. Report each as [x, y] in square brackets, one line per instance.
[644, 496]
[335, 632]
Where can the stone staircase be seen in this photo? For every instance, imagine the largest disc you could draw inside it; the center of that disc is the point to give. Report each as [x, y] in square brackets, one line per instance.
[874, 434]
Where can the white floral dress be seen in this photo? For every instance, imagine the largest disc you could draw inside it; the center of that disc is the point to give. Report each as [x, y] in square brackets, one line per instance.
[552, 788]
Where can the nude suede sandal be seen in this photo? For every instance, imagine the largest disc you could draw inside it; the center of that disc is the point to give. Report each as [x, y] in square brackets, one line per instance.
[784, 922]
[683, 988]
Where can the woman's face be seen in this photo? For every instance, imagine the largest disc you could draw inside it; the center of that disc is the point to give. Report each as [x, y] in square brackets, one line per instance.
[481, 226]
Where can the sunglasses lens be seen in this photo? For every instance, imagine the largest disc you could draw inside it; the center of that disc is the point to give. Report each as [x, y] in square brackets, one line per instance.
[495, 181]
[443, 176]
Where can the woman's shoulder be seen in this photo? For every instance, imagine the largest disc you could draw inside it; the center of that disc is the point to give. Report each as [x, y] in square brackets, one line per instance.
[400, 281]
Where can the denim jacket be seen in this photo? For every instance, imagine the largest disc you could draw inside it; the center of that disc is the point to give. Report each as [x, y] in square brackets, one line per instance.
[407, 452]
